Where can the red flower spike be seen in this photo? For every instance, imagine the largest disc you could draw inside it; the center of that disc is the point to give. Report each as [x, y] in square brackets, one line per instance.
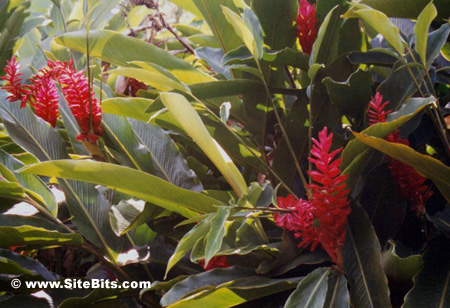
[14, 83]
[322, 219]
[307, 25]
[215, 262]
[78, 93]
[45, 96]
[410, 183]
[376, 111]
[134, 86]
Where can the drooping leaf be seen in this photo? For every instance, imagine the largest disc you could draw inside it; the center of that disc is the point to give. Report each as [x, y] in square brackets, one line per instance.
[311, 291]
[337, 292]
[166, 157]
[425, 165]
[130, 181]
[188, 118]
[107, 46]
[27, 235]
[432, 283]
[362, 263]
[13, 263]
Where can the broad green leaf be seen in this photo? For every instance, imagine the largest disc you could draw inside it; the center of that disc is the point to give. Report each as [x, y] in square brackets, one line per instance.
[325, 47]
[167, 159]
[248, 29]
[124, 145]
[432, 283]
[188, 5]
[108, 46]
[356, 147]
[211, 10]
[283, 32]
[352, 96]
[10, 33]
[235, 292]
[203, 280]
[408, 8]
[188, 241]
[132, 107]
[188, 118]
[15, 264]
[380, 22]
[11, 190]
[311, 291]
[29, 182]
[421, 30]
[398, 269]
[362, 262]
[215, 236]
[337, 292]
[27, 235]
[155, 80]
[130, 181]
[87, 206]
[32, 221]
[426, 165]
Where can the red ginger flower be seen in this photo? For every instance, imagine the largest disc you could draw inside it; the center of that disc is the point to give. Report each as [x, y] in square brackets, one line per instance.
[323, 218]
[307, 25]
[45, 96]
[14, 83]
[410, 183]
[215, 262]
[80, 98]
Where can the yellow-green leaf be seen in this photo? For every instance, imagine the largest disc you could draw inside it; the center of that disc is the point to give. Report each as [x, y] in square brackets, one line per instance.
[188, 118]
[421, 30]
[426, 165]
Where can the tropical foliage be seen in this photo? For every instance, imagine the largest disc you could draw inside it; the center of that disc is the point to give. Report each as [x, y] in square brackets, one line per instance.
[234, 153]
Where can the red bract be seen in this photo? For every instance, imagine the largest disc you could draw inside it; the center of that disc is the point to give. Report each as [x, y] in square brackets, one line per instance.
[45, 96]
[410, 183]
[307, 25]
[80, 98]
[323, 218]
[215, 262]
[14, 83]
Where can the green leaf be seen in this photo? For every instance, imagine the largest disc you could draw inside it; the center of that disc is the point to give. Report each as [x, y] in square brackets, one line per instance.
[11, 190]
[188, 241]
[188, 118]
[132, 107]
[100, 297]
[234, 292]
[278, 22]
[15, 264]
[156, 80]
[356, 147]
[421, 30]
[380, 22]
[432, 283]
[311, 291]
[72, 127]
[325, 47]
[108, 46]
[10, 33]
[215, 236]
[166, 157]
[398, 269]
[211, 11]
[130, 181]
[27, 235]
[426, 165]
[407, 8]
[248, 29]
[337, 292]
[362, 263]
[352, 96]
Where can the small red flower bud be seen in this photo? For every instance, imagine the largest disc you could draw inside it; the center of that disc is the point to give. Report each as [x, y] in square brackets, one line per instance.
[13, 86]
